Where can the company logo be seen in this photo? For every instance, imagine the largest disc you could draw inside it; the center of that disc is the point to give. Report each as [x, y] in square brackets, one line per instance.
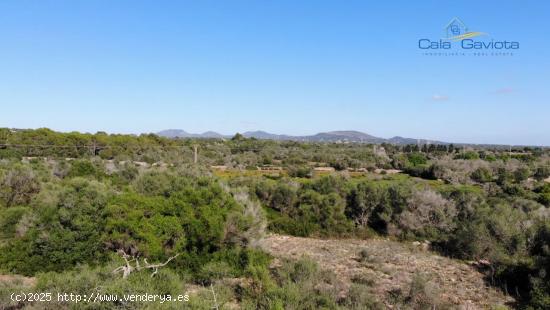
[456, 30]
[459, 38]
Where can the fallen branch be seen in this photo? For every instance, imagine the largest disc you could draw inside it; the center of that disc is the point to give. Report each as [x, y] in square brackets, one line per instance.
[128, 268]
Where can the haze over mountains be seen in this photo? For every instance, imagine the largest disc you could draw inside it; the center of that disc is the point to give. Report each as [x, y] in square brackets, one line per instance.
[331, 136]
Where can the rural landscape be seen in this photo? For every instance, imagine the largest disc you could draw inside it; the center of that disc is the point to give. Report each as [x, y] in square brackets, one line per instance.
[274, 155]
[247, 223]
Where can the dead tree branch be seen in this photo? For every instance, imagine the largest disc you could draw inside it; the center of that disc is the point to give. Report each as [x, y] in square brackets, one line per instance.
[128, 268]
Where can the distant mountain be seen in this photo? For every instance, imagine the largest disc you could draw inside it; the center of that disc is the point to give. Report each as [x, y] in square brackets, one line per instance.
[179, 133]
[331, 136]
[267, 136]
[345, 136]
[212, 134]
[174, 133]
[401, 140]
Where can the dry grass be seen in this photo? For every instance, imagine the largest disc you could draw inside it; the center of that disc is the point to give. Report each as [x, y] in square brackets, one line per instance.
[17, 280]
[390, 266]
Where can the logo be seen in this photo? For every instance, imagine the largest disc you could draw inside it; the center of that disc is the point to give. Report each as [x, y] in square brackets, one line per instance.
[458, 38]
[456, 30]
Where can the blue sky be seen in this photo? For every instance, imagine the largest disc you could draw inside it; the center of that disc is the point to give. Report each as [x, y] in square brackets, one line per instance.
[294, 67]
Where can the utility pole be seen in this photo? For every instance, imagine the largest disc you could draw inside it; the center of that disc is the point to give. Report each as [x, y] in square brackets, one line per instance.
[93, 148]
[196, 153]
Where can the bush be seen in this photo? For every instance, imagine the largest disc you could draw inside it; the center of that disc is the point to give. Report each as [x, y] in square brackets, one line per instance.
[468, 155]
[482, 175]
[85, 280]
[363, 200]
[86, 168]
[66, 231]
[542, 172]
[417, 159]
[428, 214]
[18, 186]
[521, 174]
[299, 171]
[423, 294]
[359, 297]
[301, 285]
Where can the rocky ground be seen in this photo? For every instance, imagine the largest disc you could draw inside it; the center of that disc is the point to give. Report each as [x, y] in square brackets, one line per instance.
[390, 266]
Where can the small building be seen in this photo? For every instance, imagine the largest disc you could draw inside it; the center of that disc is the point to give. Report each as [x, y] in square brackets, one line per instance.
[387, 171]
[219, 167]
[269, 168]
[324, 169]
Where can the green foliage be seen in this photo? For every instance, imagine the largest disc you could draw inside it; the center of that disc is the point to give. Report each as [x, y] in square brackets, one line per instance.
[18, 185]
[468, 155]
[521, 174]
[299, 171]
[90, 197]
[298, 285]
[417, 159]
[85, 168]
[542, 172]
[85, 280]
[11, 224]
[144, 226]
[539, 294]
[544, 194]
[482, 175]
[64, 231]
[179, 218]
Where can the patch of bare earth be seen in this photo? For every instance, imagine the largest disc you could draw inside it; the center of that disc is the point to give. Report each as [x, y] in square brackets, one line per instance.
[16, 279]
[390, 266]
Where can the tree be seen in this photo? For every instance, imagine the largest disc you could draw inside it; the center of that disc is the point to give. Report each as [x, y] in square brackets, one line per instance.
[428, 214]
[482, 175]
[18, 186]
[362, 201]
[542, 172]
[521, 174]
[238, 137]
[66, 230]
[417, 159]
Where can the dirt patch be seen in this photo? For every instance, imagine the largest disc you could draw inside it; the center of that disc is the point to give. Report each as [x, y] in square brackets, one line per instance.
[389, 266]
[17, 280]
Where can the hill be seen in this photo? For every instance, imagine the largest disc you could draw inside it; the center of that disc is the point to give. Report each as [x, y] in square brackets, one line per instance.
[331, 136]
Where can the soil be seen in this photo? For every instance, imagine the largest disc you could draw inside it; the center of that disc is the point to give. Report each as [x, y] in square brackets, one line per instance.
[389, 266]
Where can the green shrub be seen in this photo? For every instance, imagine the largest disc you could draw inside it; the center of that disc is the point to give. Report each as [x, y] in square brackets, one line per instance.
[482, 175]
[18, 185]
[86, 168]
[85, 280]
[66, 230]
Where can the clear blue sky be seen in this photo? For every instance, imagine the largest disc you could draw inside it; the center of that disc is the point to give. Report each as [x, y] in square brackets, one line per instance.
[294, 67]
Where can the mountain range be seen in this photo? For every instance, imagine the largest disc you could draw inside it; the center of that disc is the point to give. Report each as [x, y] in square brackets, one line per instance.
[331, 136]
